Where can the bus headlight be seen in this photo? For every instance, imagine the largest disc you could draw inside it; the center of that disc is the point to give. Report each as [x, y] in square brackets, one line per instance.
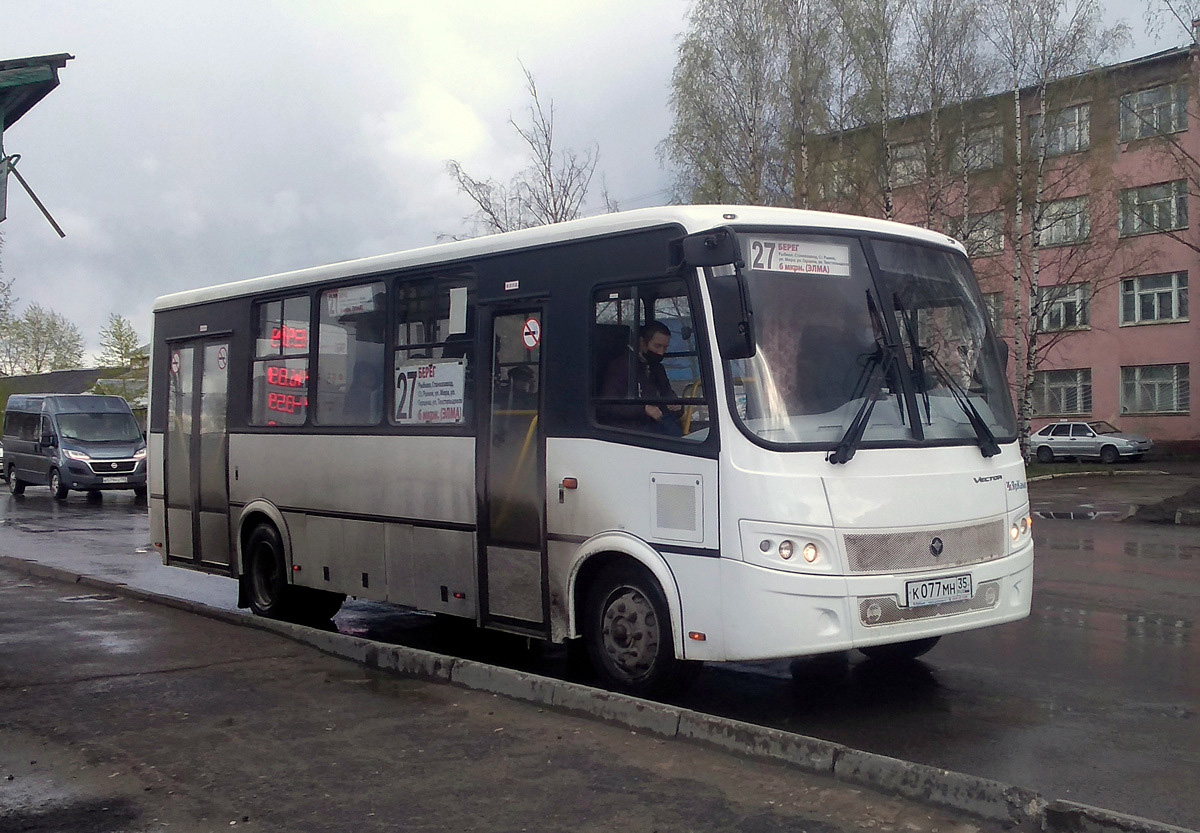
[785, 550]
[810, 552]
[71, 454]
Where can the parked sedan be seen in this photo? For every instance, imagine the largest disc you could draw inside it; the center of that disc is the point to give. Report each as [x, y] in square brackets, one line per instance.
[1087, 439]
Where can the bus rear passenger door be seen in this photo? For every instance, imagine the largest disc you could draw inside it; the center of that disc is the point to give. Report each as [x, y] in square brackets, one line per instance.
[197, 457]
[512, 570]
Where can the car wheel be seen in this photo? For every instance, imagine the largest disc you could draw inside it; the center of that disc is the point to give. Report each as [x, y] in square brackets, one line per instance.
[900, 651]
[139, 491]
[1109, 455]
[56, 486]
[270, 592]
[15, 484]
[1045, 455]
[627, 628]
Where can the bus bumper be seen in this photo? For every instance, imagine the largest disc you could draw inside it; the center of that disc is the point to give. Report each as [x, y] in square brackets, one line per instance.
[771, 614]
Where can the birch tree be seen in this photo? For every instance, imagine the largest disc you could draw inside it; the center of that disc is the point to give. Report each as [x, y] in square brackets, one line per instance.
[728, 95]
[1041, 42]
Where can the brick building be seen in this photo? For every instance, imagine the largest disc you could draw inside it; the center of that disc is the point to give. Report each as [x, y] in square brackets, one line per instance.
[1108, 163]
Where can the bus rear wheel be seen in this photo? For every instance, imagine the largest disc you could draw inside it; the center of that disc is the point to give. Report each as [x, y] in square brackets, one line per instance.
[901, 651]
[628, 633]
[270, 592]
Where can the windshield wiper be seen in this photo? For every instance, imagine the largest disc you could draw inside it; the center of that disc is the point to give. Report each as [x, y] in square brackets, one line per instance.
[883, 358]
[988, 446]
[918, 355]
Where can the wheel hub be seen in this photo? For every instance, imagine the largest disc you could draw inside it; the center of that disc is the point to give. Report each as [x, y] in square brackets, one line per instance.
[630, 632]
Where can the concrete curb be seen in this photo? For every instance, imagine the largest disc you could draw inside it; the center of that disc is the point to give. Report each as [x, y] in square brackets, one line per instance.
[991, 800]
[1114, 473]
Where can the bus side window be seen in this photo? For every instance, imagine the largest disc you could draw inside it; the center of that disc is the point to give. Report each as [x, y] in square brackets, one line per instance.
[279, 393]
[646, 370]
[350, 364]
[435, 338]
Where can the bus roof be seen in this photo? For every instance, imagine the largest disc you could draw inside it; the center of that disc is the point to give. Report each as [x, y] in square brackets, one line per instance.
[692, 218]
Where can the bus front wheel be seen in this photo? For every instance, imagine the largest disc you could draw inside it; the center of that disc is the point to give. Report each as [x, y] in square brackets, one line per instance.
[270, 592]
[15, 484]
[628, 633]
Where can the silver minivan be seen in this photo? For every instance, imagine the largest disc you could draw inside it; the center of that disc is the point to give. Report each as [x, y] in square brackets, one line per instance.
[73, 441]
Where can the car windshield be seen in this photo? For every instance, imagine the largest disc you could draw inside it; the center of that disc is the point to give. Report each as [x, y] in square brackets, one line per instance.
[897, 357]
[1102, 427]
[99, 427]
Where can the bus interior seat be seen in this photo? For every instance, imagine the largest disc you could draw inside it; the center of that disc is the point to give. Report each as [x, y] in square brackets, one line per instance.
[609, 342]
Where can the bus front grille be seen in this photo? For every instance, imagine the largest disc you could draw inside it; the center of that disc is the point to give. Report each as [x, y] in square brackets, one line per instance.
[893, 552]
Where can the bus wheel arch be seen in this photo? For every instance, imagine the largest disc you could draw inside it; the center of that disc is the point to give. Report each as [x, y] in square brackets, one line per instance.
[255, 516]
[628, 616]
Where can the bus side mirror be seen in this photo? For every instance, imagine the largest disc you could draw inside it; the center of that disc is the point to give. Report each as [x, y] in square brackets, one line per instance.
[49, 441]
[733, 319]
[732, 315]
[717, 247]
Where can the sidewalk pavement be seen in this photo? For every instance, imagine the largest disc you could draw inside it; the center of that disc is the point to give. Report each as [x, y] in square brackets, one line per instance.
[116, 714]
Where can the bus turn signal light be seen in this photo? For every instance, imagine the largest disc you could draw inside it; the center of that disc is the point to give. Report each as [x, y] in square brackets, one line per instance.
[696, 636]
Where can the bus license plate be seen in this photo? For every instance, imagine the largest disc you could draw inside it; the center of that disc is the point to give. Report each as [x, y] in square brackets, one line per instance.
[936, 591]
[114, 479]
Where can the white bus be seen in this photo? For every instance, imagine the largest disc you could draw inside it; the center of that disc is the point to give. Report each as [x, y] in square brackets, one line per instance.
[682, 434]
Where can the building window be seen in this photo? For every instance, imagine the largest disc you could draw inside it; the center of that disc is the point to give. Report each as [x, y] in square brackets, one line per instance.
[982, 234]
[1063, 222]
[1062, 392]
[1063, 307]
[1154, 298]
[279, 386]
[994, 303]
[1155, 389]
[1154, 208]
[1067, 131]
[908, 164]
[1154, 112]
[980, 150]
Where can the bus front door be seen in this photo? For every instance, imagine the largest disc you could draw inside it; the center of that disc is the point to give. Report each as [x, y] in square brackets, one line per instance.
[512, 571]
[197, 457]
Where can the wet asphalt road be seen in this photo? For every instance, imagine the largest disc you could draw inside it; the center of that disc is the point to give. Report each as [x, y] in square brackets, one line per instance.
[1094, 698]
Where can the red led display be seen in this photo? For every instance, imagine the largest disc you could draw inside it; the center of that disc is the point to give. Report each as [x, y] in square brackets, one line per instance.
[289, 338]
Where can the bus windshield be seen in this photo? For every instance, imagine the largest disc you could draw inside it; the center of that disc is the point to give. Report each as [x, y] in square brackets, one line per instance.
[902, 356]
[99, 427]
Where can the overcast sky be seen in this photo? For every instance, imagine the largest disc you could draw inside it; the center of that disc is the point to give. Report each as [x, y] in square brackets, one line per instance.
[197, 143]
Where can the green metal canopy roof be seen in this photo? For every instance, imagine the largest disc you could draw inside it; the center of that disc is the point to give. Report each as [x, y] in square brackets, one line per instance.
[26, 81]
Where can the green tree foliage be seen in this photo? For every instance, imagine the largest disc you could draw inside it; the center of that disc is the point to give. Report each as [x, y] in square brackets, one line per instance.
[118, 342]
[119, 349]
[41, 340]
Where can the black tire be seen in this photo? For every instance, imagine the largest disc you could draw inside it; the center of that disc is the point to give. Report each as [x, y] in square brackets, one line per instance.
[1109, 455]
[268, 588]
[139, 491]
[627, 628]
[15, 484]
[59, 490]
[1045, 455]
[900, 651]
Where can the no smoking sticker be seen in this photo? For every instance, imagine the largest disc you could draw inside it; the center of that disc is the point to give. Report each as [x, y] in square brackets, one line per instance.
[531, 333]
[175, 363]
